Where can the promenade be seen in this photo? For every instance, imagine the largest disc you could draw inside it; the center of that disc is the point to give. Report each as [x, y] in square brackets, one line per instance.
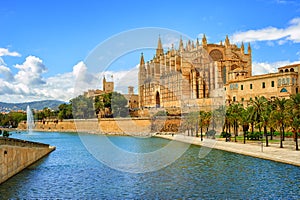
[287, 155]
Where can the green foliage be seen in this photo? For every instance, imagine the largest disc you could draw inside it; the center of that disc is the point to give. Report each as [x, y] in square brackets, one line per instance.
[225, 135]
[119, 105]
[11, 119]
[254, 135]
[160, 113]
[65, 111]
[82, 107]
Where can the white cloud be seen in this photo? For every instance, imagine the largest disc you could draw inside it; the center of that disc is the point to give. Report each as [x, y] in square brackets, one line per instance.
[7, 74]
[265, 67]
[29, 83]
[6, 52]
[290, 33]
[30, 72]
[123, 79]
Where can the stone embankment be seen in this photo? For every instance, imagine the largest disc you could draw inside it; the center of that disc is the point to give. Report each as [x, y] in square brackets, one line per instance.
[16, 155]
[118, 126]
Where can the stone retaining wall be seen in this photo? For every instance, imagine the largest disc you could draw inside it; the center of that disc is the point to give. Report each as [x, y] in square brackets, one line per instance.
[16, 155]
[107, 125]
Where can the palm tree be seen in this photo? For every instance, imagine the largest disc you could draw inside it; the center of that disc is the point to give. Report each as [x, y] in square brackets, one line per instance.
[278, 116]
[201, 123]
[234, 113]
[293, 105]
[191, 119]
[244, 121]
[265, 119]
[251, 117]
[259, 105]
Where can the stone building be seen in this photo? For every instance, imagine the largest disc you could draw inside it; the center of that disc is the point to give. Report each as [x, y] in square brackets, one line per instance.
[108, 87]
[195, 75]
[133, 99]
[281, 84]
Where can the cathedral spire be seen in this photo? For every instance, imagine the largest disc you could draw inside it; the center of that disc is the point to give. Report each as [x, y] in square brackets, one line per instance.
[204, 41]
[249, 48]
[159, 50]
[227, 43]
[103, 82]
[180, 44]
[142, 61]
[242, 48]
[197, 43]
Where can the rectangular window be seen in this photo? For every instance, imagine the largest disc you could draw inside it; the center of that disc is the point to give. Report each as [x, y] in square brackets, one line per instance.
[233, 98]
[242, 87]
[250, 98]
[263, 85]
[272, 84]
[251, 86]
[242, 99]
[296, 90]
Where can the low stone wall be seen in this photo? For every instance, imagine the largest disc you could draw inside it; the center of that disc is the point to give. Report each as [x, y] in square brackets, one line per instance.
[108, 125]
[16, 155]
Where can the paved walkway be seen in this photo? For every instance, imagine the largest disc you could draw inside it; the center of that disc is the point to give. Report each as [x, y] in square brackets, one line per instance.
[285, 155]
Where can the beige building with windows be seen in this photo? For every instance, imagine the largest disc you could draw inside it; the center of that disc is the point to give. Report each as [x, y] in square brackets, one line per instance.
[195, 75]
[280, 84]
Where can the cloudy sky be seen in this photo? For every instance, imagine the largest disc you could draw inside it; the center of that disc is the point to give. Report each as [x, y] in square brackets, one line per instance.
[46, 46]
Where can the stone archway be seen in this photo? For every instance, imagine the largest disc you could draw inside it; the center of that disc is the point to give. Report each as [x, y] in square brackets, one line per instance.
[157, 100]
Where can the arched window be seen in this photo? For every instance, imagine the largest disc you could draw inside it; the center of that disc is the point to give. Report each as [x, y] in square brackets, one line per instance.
[292, 70]
[281, 71]
[157, 100]
[286, 70]
[216, 55]
[233, 67]
[283, 90]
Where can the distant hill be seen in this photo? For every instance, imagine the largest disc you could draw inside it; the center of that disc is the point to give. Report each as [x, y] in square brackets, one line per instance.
[37, 105]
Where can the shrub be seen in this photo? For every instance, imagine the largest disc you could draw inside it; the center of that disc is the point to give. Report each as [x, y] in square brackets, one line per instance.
[225, 135]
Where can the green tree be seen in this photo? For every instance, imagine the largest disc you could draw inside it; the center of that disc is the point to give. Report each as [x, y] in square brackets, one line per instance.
[265, 119]
[65, 111]
[235, 110]
[82, 107]
[293, 107]
[119, 105]
[259, 105]
[191, 122]
[279, 116]
[203, 118]
[244, 121]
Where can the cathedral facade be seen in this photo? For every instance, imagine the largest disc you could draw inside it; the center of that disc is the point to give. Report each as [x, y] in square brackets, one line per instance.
[194, 75]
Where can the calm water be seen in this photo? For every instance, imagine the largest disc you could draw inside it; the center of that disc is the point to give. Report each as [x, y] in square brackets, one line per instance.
[71, 172]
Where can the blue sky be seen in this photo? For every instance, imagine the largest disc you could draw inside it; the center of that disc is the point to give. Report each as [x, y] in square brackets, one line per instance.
[43, 44]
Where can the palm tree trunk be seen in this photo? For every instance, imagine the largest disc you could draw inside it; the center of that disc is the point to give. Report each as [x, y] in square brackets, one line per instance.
[283, 133]
[235, 131]
[272, 132]
[206, 132]
[266, 135]
[281, 136]
[296, 140]
[201, 134]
